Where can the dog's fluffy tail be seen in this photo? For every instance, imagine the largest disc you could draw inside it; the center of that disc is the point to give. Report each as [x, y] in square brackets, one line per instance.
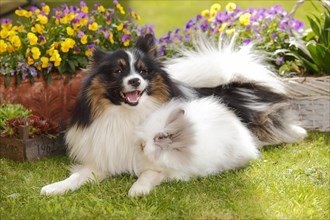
[243, 80]
[210, 65]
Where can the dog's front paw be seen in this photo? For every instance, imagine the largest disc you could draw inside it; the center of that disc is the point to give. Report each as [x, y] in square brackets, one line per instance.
[138, 189]
[54, 189]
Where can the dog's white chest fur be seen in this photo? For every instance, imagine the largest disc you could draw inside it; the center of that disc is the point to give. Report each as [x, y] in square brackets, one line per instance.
[109, 143]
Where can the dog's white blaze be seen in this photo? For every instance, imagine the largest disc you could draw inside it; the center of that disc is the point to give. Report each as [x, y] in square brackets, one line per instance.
[133, 74]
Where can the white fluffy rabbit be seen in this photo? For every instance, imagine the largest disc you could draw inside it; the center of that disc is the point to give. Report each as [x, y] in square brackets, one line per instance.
[191, 138]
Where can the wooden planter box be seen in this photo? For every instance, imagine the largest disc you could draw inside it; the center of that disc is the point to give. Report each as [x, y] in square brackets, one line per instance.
[25, 148]
[310, 97]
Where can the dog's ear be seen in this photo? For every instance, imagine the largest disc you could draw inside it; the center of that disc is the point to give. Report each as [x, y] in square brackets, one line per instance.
[97, 56]
[147, 45]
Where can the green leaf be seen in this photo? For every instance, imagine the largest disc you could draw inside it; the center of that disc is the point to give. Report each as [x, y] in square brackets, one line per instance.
[326, 31]
[320, 55]
[76, 64]
[314, 26]
[18, 80]
[7, 80]
[306, 62]
[71, 66]
[49, 79]
[83, 61]
[61, 68]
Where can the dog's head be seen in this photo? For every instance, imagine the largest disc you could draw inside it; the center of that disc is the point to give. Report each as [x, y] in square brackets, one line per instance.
[124, 77]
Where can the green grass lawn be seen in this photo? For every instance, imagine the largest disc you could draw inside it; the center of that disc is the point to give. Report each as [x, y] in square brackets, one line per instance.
[288, 182]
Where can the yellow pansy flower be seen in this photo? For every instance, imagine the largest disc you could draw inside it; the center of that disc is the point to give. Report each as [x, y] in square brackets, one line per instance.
[230, 6]
[64, 20]
[111, 38]
[120, 27]
[84, 39]
[84, 9]
[83, 21]
[205, 13]
[32, 38]
[10, 48]
[72, 16]
[125, 31]
[89, 52]
[44, 62]
[222, 26]
[56, 58]
[120, 8]
[69, 31]
[30, 61]
[11, 33]
[35, 52]
[230, 31]
[4, 34]
[214, 9]
[3, 46]
[46, 9]
[38, 28]
[20, 28]
[42, 19]
[16, 41]
[19, 12]
[100, 8]
[245, 19]
[67, 44]
[27, 14]
[36, 11]
[6, 26]
[127, 42]
[93, 27]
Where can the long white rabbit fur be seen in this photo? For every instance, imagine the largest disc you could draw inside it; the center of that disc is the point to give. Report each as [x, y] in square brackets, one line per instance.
[191, 138]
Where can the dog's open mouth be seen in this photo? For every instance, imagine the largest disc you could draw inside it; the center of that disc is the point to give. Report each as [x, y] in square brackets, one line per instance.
[132, 97]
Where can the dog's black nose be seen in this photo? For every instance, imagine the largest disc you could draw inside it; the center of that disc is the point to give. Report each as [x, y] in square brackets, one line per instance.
[135, 82]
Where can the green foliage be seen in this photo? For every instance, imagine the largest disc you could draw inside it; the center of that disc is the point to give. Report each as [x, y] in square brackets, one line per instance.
[287, 182]
[319, 45]
[9, 111]
[312, 53]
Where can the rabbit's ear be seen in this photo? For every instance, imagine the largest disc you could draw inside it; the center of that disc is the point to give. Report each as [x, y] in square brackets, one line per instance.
[175, 115]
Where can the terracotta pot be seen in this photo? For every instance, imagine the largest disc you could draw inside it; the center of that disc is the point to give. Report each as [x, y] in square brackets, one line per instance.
[54, 101]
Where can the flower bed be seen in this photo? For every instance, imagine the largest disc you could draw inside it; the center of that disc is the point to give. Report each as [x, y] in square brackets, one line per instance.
[55, 42]
[267, 28]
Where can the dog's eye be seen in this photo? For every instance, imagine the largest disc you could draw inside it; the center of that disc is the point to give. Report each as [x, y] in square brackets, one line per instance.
[143, 72]
[117, 72]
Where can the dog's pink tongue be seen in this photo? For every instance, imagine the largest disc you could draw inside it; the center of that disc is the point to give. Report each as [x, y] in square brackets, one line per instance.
[133, 96]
